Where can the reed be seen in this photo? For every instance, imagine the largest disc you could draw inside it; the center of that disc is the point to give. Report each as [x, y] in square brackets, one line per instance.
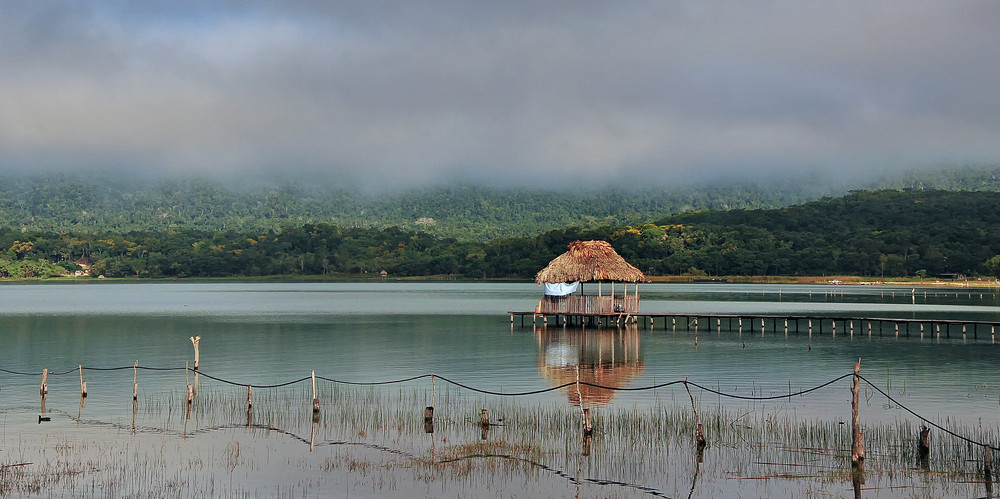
[377, 433]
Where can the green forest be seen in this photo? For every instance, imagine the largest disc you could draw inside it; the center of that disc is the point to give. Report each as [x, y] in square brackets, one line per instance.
[882, 233]
[119, 204]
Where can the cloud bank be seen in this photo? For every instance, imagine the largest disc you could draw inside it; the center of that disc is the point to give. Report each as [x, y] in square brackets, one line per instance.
[523, 92]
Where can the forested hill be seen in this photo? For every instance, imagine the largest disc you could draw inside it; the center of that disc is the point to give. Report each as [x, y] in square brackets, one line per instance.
[886, 232]
[117, 203]
[867, 233]
[468, 212]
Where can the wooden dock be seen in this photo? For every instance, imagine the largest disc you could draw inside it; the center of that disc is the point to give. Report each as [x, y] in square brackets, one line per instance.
[795, 324]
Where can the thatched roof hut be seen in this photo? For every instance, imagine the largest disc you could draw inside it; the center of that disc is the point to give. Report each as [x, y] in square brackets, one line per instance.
[589, 261]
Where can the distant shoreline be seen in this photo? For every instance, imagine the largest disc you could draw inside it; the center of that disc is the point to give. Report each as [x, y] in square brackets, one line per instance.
[840, 280]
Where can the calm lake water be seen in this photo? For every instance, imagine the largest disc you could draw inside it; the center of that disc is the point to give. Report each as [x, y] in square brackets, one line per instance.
[271, 333]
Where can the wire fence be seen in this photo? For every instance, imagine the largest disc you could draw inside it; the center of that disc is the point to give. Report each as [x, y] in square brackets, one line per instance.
[525, 393]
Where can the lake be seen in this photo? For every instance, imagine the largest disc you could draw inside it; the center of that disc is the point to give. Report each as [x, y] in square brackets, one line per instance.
[370, 440]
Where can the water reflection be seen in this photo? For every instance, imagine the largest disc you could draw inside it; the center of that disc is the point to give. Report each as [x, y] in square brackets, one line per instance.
[605, 357]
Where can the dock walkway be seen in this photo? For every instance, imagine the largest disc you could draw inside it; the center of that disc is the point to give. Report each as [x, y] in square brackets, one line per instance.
[773, 323]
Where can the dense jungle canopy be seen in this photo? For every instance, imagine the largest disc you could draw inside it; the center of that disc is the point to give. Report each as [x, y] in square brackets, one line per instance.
[883, 233]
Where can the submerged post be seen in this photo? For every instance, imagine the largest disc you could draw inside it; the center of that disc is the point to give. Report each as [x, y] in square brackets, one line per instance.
[194, 341]
[857, 440]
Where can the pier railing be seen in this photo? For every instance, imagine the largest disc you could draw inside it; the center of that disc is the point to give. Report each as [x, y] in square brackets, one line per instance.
[588, 305]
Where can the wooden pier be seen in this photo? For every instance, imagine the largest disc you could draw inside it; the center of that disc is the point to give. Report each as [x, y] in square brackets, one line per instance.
[795, 324]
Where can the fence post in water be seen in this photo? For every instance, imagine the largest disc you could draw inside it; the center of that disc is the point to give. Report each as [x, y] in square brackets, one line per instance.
[588, 427]
[315, 398]
[699, 432]
[194, 341]
[249, 397]
[135, 382]
[857, 441]
[924, 447]
[429, 410]
[44, 390]
[83, 384]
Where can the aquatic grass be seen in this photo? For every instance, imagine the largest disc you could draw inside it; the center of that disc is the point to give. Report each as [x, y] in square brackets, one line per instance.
[378, 434]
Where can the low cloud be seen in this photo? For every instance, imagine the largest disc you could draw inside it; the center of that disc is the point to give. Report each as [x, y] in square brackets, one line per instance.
[399, 93]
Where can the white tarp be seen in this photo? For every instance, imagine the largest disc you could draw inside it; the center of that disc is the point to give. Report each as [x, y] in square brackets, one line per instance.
[561, 288]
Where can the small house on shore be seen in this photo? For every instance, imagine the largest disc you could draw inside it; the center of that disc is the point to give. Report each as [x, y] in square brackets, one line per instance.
[589, 262]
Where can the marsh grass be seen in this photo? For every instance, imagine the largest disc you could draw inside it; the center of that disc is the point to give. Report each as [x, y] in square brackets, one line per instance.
[376, 436]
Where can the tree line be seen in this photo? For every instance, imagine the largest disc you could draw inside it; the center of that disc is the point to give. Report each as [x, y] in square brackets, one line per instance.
[886, 233]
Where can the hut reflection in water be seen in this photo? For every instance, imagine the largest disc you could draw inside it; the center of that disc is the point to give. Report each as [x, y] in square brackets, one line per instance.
[605, 357]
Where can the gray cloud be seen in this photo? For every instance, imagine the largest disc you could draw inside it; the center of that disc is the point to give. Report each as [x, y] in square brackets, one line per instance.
[403, 92]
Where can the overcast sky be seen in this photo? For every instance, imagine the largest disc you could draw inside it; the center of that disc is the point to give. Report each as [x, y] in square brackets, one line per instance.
[503, 91]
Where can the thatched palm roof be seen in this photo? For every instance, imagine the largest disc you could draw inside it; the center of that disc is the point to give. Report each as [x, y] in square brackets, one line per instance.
[589, 261]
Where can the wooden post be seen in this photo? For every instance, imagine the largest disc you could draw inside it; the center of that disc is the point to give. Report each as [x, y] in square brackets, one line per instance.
[83, 384]
[988, 472]
[588, 427]
[484, 419]
[429, 410]
[699, 433]
[190, 395]
[315, 398]
[135, 382]
[44, 390]
[249, 397]
[857, 440]
[924, 447]
[194, 341]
